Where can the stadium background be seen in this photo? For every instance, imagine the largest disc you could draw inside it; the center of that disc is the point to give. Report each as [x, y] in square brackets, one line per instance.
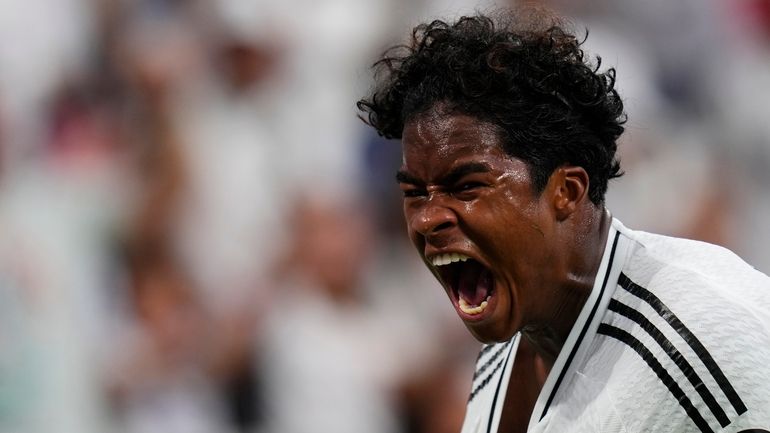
[198, 235]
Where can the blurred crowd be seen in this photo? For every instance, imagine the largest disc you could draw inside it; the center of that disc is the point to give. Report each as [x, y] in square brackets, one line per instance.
[197, 233]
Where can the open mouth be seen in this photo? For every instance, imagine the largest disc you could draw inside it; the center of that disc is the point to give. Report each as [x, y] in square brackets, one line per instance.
[471, 283]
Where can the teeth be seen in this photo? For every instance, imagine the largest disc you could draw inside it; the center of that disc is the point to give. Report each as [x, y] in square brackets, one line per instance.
[445, 259]
[470, 309]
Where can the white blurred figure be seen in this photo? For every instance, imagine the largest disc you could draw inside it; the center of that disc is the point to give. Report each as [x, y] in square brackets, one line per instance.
[61, 195]
[277, 114]
[330, 357]
[50, 257]
[54, 220]
[161, 379]
[230, 216]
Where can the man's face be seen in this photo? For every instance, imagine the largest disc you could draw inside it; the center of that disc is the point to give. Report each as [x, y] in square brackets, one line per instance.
[467, 202]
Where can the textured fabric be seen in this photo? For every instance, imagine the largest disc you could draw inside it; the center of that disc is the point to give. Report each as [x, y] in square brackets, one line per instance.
[675, 337]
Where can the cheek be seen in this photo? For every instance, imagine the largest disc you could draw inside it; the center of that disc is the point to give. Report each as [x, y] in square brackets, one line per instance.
[512, 230]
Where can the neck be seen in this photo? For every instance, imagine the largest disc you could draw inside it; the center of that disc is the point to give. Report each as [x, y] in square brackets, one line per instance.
[578, 270]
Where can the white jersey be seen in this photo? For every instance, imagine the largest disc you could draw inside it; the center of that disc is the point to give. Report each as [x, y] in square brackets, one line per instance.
[674, 337]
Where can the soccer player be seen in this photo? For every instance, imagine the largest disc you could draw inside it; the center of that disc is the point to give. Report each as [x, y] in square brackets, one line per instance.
[509, 139]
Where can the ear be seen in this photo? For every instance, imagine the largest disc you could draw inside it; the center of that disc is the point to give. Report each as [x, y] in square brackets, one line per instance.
[569, 189]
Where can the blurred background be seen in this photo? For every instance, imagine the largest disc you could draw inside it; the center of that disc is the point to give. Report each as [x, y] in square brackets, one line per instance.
[198, 235]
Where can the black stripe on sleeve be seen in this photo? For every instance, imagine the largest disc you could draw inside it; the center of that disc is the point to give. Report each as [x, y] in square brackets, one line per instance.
[655, 302]
[497, 391]
[485, 349]
[480, 370]
[675, 356]
[486, 380]
[582, 331]
[661, 372]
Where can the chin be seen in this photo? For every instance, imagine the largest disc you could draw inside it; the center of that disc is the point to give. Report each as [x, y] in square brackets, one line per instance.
[488, 334]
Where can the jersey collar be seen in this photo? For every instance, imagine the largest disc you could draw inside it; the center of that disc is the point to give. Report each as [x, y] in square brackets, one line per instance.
[578, 341]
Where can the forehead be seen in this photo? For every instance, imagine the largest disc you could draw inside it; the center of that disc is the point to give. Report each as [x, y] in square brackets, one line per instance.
[436, 139]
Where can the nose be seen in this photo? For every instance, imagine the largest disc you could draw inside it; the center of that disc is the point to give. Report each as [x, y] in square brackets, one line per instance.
[432, 218]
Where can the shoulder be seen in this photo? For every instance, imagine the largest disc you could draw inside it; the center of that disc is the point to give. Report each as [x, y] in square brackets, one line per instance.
[694, 274]
[689, 326]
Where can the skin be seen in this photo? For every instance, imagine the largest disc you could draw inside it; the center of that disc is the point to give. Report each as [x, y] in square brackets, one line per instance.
[464, 194]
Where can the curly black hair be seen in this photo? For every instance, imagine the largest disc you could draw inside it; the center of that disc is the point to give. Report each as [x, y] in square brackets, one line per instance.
[533, 82]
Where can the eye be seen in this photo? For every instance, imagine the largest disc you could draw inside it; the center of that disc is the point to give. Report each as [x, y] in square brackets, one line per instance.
[467, 190]
[413, 192]
[466, 186]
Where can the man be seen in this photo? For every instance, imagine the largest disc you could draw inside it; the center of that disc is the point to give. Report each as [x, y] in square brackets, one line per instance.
[509, 140]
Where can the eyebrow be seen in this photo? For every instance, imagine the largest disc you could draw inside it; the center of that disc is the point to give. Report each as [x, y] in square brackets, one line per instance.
[453, 176]
[404, 177]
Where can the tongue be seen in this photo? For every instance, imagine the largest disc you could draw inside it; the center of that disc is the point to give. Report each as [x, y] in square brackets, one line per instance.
[475, 284]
